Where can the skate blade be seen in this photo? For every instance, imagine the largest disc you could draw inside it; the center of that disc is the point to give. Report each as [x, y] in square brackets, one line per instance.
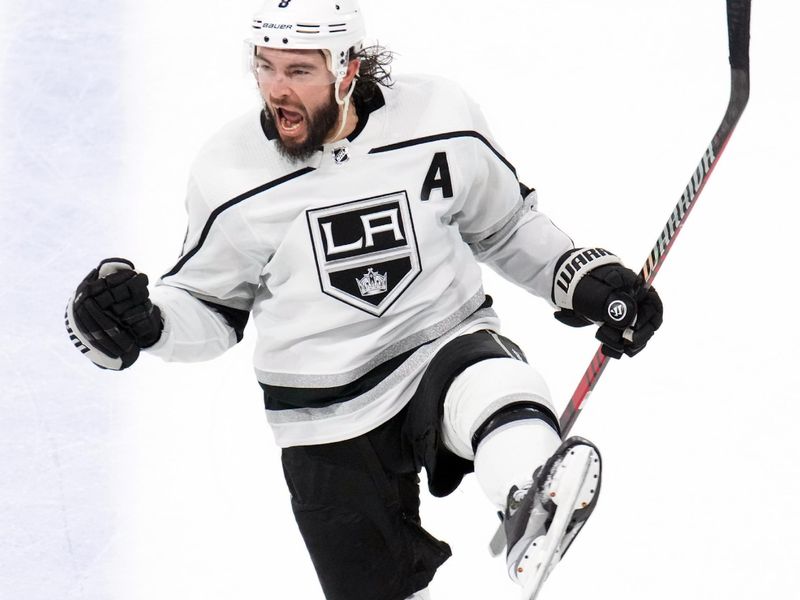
[572, 488]
[498, 542]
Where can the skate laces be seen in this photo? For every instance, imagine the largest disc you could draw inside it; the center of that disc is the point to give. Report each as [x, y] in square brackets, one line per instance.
[519, 494]
[522, 491]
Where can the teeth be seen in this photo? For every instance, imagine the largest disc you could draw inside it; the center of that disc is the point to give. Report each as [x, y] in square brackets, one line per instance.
[287, 126]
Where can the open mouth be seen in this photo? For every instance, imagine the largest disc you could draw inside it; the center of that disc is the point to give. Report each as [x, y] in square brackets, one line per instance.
[289, 120]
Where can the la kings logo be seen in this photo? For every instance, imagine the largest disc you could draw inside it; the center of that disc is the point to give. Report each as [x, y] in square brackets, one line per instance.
[366, 250]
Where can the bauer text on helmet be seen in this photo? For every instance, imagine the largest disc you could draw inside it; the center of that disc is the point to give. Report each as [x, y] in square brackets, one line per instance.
[334, 26]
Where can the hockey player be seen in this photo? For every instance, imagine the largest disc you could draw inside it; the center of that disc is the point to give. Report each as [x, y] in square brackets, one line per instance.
[348, 215]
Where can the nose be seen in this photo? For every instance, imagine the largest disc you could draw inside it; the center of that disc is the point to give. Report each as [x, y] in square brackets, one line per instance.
[279, 86]
[280, 83]
[278, 95]
[273, 88]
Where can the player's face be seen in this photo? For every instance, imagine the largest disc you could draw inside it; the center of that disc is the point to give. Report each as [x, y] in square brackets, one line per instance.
[297, 88]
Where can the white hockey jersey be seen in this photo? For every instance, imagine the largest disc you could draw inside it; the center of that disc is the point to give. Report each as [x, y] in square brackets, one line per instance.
[358, 265]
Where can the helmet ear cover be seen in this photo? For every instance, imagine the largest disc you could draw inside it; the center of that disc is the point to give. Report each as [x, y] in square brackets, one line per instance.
[340, 61]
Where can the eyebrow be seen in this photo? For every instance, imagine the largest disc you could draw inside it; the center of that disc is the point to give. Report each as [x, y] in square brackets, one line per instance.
[293, 65]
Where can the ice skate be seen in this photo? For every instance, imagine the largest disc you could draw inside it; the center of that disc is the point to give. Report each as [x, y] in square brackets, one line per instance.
[542, 519]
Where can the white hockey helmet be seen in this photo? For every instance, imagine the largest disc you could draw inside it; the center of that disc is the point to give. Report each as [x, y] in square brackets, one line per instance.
[334, 26]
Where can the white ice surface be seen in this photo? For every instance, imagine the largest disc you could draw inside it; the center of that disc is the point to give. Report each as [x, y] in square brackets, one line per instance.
[61, 429]
[162, 482]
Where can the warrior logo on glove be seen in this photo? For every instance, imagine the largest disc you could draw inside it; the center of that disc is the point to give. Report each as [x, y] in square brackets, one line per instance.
[617, 310]
[592, 286]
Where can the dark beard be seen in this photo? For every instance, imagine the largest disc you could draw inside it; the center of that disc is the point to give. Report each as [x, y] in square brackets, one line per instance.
[319, 127]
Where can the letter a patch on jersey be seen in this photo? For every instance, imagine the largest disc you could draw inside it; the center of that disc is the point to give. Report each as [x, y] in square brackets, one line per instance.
[366, 250]
[438, 177]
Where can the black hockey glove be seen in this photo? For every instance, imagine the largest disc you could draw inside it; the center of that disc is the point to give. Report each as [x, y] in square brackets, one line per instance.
[592, 286]
[110, 317]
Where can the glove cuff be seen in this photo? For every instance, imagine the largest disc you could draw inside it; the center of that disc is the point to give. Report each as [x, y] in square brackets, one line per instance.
[572, 267]
[82, 343]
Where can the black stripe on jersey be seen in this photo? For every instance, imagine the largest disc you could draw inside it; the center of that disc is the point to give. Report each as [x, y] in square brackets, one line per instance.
[223, 207]
[445, 136]
[525, 190]
[288, 398]
[235, 318]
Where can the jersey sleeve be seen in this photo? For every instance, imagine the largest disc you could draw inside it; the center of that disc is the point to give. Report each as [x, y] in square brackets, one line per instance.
[193, 331]
[207, 296]
[501, 223]
[526, 250]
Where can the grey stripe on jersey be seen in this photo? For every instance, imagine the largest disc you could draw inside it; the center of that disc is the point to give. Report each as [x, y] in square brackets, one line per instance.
[295, 380]
[485, 240]
[399, 379]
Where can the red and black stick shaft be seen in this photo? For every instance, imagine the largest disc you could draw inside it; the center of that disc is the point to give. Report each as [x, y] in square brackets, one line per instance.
[739, 46]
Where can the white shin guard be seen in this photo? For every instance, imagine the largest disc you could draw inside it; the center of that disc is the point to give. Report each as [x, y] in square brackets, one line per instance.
[508, 455]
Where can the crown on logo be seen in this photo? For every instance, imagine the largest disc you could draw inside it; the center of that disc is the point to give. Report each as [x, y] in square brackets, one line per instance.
[372, 283]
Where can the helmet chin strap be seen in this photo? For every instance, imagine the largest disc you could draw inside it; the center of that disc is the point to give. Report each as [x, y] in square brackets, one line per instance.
[345, 104]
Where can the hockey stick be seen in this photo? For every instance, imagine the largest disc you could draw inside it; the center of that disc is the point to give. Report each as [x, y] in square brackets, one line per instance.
[739, 45]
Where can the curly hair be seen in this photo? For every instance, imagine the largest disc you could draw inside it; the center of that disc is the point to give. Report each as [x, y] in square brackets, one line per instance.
[375, 71]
